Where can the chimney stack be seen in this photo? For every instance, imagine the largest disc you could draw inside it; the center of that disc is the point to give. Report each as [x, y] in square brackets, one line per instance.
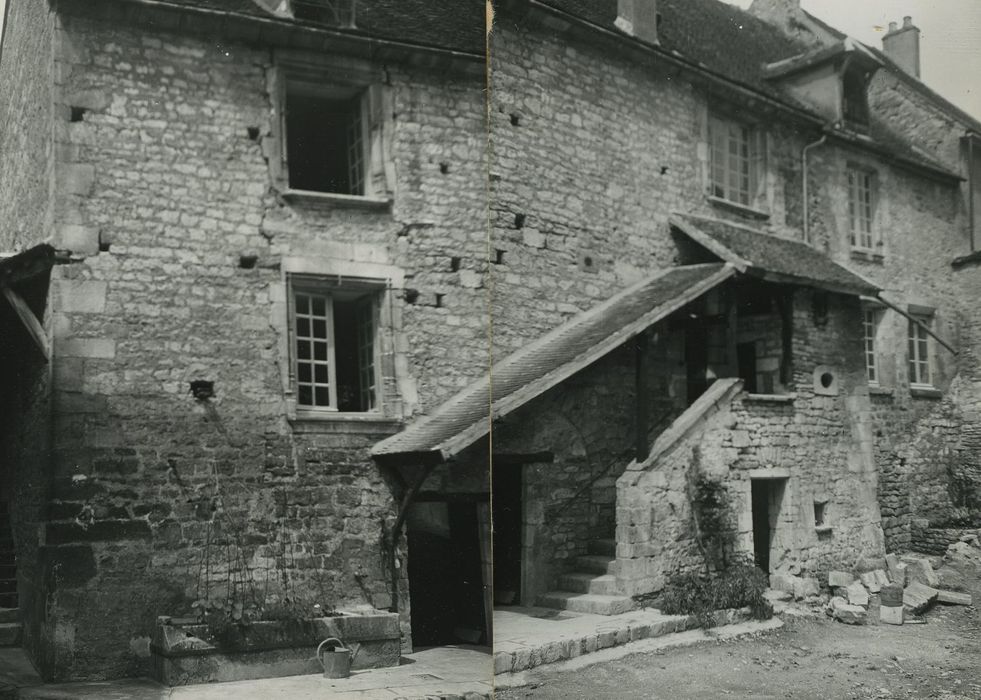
[638, 18]
[902, 45]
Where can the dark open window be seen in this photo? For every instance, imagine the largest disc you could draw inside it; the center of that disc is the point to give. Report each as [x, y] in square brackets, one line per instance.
[855, 104]
[325, 142]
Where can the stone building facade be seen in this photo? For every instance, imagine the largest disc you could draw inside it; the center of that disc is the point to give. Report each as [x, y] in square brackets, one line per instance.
[261, 379]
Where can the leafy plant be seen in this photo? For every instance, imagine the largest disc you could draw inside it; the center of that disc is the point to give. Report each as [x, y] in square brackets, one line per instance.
[711, 512]
[740, 585]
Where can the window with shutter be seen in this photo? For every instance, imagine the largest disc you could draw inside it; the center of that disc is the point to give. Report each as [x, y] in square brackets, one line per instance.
[333, 136]
[737, 161]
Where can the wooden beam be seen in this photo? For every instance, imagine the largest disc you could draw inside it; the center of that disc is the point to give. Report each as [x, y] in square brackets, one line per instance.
[27, 317]
[925, 327]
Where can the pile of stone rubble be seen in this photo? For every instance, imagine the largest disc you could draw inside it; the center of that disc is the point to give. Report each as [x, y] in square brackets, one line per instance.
[908, 585]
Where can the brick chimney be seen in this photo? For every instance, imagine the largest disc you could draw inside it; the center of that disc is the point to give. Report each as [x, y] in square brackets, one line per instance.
[902, 45]
[638, 18]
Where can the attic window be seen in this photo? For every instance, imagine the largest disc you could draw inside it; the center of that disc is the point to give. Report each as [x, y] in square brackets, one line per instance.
[334, 13]
[855, 99]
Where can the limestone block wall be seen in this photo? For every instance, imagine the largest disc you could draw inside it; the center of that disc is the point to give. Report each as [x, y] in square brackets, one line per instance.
[167, 499]
[27, 115]
[819, 442]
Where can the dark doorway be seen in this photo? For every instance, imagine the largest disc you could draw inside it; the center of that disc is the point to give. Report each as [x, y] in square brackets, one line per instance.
[746, 362]
[767, 497]
[446, 587]
[506, 506]
[696, 360]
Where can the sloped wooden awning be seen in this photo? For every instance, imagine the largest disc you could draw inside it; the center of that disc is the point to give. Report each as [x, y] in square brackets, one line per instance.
[549, 360]
[17, 268]
[771, 258]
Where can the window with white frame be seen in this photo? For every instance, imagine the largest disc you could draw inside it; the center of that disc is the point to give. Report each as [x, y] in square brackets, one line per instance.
[920, 362]
[333, 126]
[736, 152]
[870, 326]
[334, 325]
[861, 208]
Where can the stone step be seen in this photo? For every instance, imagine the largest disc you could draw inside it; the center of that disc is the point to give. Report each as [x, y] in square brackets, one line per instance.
[8, 571]
[8, 585]
[588, 583]
[595, 564]
[604, 547]
[587, 603]
[9, 634]
[9, 615]
[8, 600]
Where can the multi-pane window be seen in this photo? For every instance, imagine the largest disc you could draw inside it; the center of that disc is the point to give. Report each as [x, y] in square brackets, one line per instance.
[325, 139]
[870, 325]
[334, 345]
[734, 153]
[861, 208]
[919, 352]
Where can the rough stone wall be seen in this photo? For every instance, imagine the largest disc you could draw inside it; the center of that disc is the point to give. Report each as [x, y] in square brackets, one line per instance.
[588, 424]
[822, 445]
[170, 499]
[26, 121]
[592, 152]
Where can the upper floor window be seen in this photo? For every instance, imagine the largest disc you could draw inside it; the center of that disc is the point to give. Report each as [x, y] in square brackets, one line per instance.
[334, 328]
[861, 209]
[736, 152]
[333, 131]
[920, 361]
[855, 100]
[870, 327]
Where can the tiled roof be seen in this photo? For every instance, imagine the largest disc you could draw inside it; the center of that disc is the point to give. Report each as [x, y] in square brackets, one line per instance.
[780, 259]
[720, 37]
[549, 360]
[450, 24]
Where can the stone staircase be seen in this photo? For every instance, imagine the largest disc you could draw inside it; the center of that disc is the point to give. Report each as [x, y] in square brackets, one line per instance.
[591, 588]
[10, 627]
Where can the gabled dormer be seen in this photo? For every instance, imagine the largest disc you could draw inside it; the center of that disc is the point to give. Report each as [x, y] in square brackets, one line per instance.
[833, 81]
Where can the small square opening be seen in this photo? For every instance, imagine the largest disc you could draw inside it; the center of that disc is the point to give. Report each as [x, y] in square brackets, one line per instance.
[820, 513]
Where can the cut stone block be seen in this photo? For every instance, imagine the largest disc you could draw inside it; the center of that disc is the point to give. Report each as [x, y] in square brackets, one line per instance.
[890, 615]
[851, 614]
[897, 569]
[891, 595]
[773, 595]
[805, 587]
[870, 582]
[917, 598]
[838, 579]
[857, 595]
[921, 571]
[782, 582]
[881, 577]
[952, 598]
[833, 604]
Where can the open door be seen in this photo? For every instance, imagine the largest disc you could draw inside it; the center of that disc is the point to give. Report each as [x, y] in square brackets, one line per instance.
[767, 499]
[506, 501]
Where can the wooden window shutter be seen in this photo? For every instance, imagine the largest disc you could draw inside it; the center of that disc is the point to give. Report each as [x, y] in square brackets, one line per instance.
[381, 170]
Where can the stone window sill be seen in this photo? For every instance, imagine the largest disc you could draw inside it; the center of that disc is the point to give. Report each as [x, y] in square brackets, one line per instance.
[770, 398]
[925, 392]
[738, 208]
[870, 256]
[334, 199]
[359, 423]
[881, 391]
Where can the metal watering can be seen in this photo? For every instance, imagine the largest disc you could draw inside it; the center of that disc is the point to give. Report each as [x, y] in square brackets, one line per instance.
[336, 659]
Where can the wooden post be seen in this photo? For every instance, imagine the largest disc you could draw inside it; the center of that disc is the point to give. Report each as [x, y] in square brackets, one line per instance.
[642, 413]
[785, 304]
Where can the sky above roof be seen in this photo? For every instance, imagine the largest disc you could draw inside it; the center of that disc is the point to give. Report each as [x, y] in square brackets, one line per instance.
[950, 40]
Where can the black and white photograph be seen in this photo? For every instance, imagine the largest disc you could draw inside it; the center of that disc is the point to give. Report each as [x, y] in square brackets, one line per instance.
[490, 349]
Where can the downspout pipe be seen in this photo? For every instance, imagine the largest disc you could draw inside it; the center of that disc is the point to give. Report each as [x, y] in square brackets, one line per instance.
[971, 187]
[806, 202]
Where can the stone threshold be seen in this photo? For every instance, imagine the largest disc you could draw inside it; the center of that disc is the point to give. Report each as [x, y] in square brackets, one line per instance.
[526, 638]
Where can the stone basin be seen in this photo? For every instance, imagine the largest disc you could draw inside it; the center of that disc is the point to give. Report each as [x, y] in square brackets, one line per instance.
[183, 654]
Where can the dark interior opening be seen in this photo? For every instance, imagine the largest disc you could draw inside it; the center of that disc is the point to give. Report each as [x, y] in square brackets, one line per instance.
[446, 587]
[323, 142]
[746, 366]
[761, 524]
[353, 355]
[507, 518]
[696, 359]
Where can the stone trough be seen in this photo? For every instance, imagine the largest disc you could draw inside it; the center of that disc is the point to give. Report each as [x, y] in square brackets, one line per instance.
[182, 653]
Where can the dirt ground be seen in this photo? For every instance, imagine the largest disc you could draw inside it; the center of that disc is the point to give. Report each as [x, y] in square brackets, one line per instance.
[808, 658]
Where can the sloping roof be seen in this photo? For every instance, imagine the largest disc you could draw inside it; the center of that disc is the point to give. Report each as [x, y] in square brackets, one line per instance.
[771, 257]
[450, 24]
[549, 360]
[17, 267]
